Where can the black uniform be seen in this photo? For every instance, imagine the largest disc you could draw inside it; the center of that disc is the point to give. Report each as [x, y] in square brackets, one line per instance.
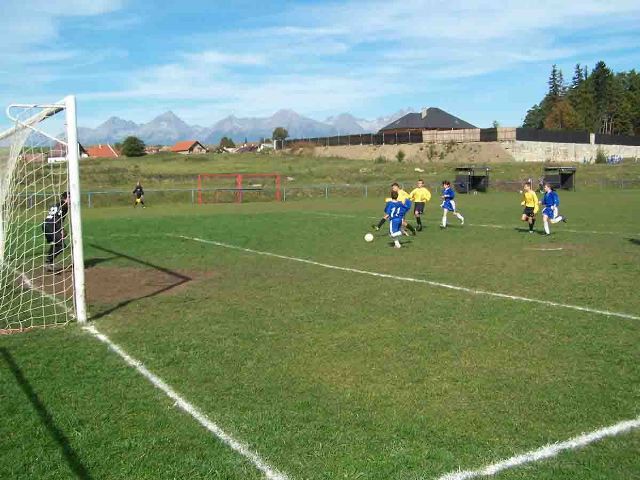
[138, 191]
[53, 227]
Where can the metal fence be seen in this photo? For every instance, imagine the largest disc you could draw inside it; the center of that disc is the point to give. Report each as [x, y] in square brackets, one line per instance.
[360, 139]
[299, 192]
[110, 198]
[483, 135]
[602, 139]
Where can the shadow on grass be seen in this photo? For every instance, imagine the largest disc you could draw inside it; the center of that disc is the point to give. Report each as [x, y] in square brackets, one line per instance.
[58, 435]
[635, 241]
[92, 262]
[179, 280]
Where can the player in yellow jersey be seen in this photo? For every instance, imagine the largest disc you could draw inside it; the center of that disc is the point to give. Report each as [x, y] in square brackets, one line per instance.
[402, 197]
[419, 196]
[530, 204]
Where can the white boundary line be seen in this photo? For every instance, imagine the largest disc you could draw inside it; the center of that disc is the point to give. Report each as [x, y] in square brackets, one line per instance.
[483, 225]
[548, 451]
[269, 472]
[414, 280]
[507, 227]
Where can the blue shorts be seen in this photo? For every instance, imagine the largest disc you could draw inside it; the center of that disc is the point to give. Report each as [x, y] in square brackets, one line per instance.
[395, 227]
[449, 205]
[548, 211]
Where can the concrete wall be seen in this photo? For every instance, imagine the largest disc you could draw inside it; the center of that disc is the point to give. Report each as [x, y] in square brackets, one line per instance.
[564, 152]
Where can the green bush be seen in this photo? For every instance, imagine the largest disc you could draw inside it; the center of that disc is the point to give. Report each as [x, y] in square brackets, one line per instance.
[400, 156]
[601, 156]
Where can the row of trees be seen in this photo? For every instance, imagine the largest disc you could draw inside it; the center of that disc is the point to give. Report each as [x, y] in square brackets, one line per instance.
[598, 101]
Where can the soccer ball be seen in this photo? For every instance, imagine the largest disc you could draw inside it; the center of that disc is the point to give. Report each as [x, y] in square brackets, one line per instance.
[368, 237]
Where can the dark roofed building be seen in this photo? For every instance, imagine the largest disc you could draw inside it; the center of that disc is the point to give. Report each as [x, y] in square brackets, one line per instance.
[430, 119]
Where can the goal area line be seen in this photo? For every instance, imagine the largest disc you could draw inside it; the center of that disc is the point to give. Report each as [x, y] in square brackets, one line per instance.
[269, 472]
[432, 283]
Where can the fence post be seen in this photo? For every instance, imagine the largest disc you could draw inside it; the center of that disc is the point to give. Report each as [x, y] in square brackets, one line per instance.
[326, 192]
[193, 196]
[89, 200]
[284, 194]
[366, 192]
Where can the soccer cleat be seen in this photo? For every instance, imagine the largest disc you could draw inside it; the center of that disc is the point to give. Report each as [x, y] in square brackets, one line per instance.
[530, 231]
[49, 267]
[419, 228]
[564, 219]
[375, 227]
[462, 222]
[397, 245]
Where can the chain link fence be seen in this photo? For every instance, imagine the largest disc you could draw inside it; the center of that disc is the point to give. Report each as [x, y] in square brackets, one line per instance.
[96, 199]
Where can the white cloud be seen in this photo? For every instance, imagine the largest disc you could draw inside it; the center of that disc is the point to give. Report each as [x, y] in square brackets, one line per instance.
[342, 55]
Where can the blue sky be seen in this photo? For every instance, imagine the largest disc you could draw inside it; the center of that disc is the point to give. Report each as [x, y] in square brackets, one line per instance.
[481, 60]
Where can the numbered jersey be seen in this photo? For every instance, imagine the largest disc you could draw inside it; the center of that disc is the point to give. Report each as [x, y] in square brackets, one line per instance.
[55, 218]
[396, 209]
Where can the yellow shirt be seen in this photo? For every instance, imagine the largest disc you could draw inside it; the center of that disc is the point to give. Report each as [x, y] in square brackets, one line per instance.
[530, 199]
[420, 194]
[402, 195]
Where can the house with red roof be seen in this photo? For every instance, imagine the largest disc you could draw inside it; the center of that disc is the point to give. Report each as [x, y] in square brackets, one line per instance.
[189, 147]
[102, 151]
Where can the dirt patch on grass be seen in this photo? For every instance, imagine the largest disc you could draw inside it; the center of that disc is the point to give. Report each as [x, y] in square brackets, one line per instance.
[106, 285]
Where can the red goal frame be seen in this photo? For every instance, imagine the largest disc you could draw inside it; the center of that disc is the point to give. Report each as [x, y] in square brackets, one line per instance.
[239, 182]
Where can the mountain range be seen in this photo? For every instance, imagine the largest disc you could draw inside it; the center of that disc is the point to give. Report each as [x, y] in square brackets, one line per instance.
[168, 128]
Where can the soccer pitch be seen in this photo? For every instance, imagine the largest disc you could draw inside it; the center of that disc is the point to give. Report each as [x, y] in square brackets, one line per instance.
[327, 357]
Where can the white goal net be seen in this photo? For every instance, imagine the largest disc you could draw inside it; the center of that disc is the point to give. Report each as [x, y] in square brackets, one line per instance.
[41, 267]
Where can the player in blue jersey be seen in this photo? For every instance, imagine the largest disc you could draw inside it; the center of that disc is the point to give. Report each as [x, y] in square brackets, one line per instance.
[550, 203]
[394, 211]
[449, 204]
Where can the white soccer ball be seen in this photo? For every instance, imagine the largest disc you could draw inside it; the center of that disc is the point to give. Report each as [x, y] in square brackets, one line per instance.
[368, 237]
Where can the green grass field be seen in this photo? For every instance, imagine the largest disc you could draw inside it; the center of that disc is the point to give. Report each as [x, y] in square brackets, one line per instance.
[168, 170]
[330, 373]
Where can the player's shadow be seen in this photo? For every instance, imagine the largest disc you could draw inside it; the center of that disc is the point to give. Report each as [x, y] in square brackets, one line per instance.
[92, 262]
[635, 241]
[71, 457]
[178, 279]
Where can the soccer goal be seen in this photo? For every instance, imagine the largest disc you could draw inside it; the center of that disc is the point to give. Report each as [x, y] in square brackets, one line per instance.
[41, 258]
[238, 187]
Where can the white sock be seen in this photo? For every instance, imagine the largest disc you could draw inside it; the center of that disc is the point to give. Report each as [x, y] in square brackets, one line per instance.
[557, 219]
[546, 226]
[444, 219]
[460, 217]
[397, 242]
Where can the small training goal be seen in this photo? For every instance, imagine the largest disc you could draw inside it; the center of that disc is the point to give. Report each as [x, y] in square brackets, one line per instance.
[238, 187]
[41, 263]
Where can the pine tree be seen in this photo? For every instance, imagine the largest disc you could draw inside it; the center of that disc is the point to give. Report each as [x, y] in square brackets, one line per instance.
[577, 77]
[555, 85]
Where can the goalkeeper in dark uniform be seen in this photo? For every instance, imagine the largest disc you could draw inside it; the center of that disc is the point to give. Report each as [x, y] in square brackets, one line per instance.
[138, 194]
[53, 227]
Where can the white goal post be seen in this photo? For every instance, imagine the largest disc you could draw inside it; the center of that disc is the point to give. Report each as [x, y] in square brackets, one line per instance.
[41, 260]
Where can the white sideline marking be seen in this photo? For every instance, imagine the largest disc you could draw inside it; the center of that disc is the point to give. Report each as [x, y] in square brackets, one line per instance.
[483, 225]
[546, 249]
[268, 471]
[507, 227]
[548, 451]
[415, 280]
